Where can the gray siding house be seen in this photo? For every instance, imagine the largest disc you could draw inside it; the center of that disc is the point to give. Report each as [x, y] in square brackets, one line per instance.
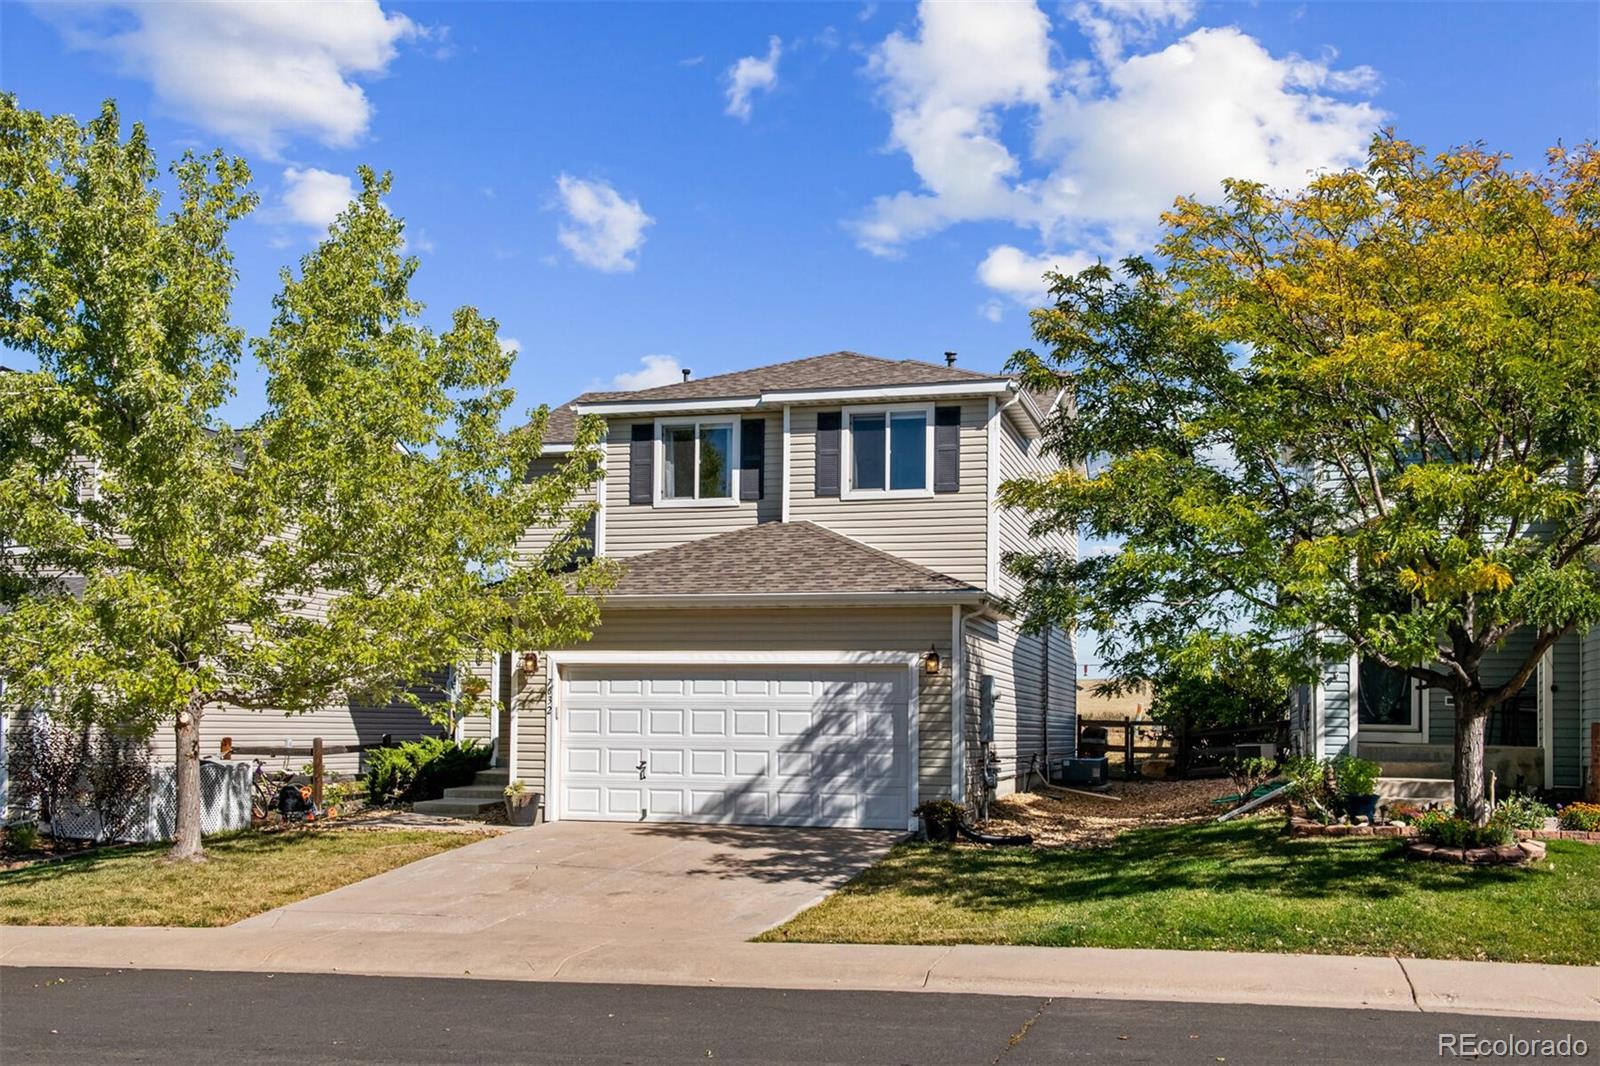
[810, 626]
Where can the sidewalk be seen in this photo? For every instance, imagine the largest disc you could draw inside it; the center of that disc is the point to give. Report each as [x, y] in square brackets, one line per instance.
[1526, 990]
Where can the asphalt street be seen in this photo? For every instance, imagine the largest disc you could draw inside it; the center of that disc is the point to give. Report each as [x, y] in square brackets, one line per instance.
[78, 1016]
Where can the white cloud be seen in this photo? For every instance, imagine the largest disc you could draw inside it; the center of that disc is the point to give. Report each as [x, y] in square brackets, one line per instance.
[992, 309]
[510, 344]
[252, 72]
[1110, 143]
[315, 197]
[1010, 270]
[654, 370]
[751, 75]
[604, 230]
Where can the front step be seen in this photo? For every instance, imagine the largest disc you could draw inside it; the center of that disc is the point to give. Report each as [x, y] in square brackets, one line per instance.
[1416, 768]
[486, 793]
[1416, 789]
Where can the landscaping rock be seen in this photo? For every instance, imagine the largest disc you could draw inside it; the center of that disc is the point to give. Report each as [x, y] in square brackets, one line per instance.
[1480, 856]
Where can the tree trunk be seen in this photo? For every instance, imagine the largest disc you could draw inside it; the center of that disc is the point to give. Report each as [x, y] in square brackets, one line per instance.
[1472, 718]
[186, 836]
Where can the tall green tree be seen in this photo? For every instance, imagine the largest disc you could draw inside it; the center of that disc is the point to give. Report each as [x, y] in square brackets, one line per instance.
[1360, 418]
[357, 538]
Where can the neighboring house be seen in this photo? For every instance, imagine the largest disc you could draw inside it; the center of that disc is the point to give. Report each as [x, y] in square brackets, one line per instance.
[810, 623]
[1539, 739]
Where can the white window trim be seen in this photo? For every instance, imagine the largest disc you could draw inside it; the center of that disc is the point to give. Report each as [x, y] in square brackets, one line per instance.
[1416, 733]
[661, 499]
[847, 489]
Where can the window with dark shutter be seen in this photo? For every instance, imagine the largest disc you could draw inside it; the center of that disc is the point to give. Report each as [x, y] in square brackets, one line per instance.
[947, 449]
[641, 463]
[828, 453]
[752, 458]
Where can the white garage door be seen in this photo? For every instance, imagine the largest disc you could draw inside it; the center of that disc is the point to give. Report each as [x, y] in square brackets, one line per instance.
[764, 745]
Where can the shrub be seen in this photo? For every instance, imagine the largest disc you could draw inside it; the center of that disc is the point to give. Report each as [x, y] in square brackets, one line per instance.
[22, 836]
[1248, 773]
[1355, 777]
[1581, 817]
[1522, 811]
[422, 769]
[942, 817]
[46, 763]
[1403, 811]
[119, 779]
[1309, 785]
[1449, 831]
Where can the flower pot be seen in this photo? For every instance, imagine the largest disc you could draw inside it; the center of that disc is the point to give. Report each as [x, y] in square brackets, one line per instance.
[523, 808]
[1362, 807]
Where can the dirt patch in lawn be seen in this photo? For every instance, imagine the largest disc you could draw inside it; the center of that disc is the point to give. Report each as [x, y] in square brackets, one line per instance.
[1059, 819]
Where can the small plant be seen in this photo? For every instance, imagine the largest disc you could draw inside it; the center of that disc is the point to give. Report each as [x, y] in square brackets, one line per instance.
[1581, 817]
[939, 818]
[1355, 777]
[1249, 773]
[515, 789]
[1402, 811]
[1308, 786]
[1521, 811]
[1450, 831]
[22, 836]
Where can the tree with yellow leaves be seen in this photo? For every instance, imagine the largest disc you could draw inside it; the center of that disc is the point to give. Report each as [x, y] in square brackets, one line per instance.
[1360, 418]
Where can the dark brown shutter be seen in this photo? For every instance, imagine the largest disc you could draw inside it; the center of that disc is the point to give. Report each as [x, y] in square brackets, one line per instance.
[752, 458]
[828, 453]
[641, 463]
[947, 449]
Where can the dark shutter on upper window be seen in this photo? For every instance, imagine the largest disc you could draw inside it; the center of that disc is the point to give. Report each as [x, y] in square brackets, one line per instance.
[752, 458]
[641, 463]
[947, 449]
[828, 453]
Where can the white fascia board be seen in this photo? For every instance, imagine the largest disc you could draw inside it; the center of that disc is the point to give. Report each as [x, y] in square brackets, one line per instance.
[564, 448]
[798, 599]
[979, 387]
[619, 408]
[589, 656]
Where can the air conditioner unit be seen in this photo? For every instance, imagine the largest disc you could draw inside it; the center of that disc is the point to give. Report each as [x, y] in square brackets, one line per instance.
[1090, 772]
[1256, 751]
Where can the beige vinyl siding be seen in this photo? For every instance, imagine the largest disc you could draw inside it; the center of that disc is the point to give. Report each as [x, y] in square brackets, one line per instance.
[947, 532]
[535, 539]
[337, 724]
[498, 696]
[530, 699]
[841, 629]
[1032, 675]
[634, 528]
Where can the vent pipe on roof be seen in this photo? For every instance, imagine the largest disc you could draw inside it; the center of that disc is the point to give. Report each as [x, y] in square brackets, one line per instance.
[949, 358]
[686, 373]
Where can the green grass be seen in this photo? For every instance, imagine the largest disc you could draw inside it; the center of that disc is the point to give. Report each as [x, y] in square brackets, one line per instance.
[1240, 886]
[246, 873]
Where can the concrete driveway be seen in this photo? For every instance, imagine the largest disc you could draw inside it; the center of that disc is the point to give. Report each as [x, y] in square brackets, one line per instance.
[576, 885]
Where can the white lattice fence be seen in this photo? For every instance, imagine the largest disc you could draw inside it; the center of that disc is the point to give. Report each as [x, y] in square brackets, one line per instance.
[224, 804]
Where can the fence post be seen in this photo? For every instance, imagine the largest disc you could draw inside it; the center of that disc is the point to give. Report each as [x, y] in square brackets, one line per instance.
[227, 747]
[1183, 747]
[316, 772]
[1127, 748]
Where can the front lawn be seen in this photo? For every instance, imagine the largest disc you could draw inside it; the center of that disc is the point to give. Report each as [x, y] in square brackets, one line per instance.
[247, 873]
[1239, 886]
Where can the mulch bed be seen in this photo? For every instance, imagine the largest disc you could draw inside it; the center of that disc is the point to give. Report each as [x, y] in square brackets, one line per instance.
[1057, 819]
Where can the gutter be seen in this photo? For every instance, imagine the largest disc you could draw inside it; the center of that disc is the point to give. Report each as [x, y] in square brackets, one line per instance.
[957, 597]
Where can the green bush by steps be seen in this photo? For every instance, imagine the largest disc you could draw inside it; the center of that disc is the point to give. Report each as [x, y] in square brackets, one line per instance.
[422, 769]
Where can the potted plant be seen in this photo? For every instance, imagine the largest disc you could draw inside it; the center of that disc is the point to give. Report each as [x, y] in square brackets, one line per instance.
[1356, 779]
[522, 806]
[939, 820]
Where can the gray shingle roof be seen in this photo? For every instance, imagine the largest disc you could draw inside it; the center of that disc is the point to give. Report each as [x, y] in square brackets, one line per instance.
[836, 370]
[778, 559]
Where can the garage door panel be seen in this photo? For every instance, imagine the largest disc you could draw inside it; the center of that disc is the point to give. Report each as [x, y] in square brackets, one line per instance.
[776, 745]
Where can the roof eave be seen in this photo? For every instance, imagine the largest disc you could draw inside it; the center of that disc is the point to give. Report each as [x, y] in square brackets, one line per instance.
[952, 597]
[779, 397]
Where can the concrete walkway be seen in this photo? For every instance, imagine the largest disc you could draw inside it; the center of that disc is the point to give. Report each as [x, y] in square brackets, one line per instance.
[676, 905]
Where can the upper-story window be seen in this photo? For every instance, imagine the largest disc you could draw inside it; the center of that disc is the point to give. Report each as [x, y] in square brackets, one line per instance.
[889, 450]
[698, 457]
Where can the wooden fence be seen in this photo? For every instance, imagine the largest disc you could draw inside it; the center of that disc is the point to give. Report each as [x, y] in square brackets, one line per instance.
[316, 749]
[1193, 751]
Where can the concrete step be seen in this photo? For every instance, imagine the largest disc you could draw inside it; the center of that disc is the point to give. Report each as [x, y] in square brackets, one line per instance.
[1415, 768]
[475, 791]
[1387, 753]
[501, 777]
[1423, 789]
[450, 808]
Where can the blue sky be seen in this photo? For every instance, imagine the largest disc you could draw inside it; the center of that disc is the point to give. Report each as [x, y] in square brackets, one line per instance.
[746, 183]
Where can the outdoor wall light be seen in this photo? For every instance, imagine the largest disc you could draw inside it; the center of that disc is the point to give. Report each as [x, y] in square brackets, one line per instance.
[530, 662]
[930, 661]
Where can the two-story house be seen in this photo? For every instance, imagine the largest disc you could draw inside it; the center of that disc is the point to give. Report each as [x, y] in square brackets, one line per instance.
[810, 624]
